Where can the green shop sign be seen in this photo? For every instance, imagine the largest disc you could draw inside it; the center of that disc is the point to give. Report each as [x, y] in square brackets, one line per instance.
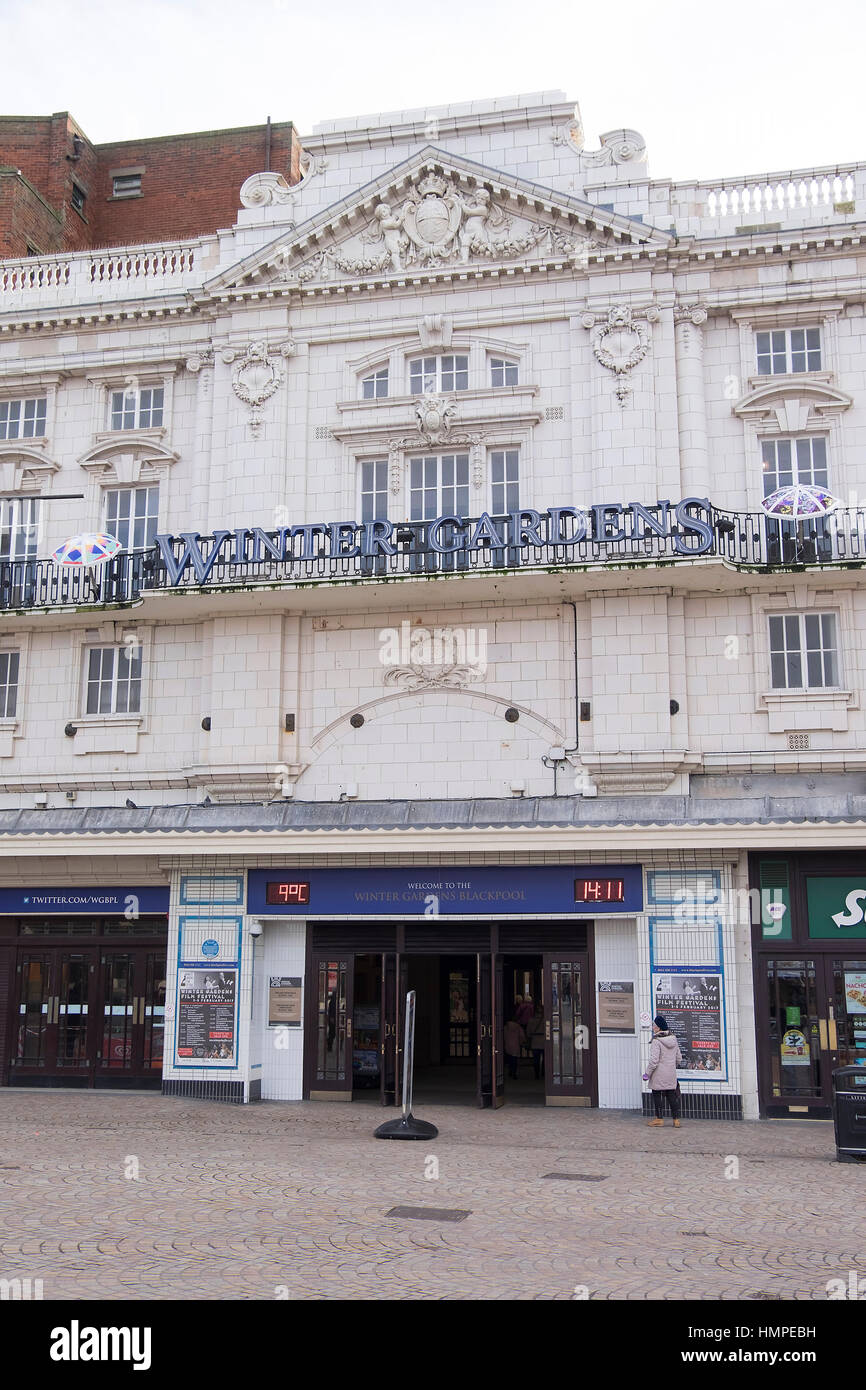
[837, 907]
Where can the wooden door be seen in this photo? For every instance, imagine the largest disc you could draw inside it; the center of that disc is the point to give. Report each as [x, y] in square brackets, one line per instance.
[567, 1056]
[329, 1025]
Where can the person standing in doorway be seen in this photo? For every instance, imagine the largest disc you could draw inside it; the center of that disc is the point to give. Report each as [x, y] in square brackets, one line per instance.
[535, 1039]
[513, 1039]
[524, 1011]
[661, 1072]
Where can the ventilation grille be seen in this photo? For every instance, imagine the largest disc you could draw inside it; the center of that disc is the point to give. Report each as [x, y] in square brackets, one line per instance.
[796, 741]
[554, 412]
[322, 432]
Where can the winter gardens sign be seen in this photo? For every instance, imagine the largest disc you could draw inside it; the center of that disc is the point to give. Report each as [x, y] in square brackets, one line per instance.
[561, 535]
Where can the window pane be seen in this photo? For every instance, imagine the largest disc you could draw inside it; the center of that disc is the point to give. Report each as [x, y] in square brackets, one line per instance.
[778, 671]
[764, 357]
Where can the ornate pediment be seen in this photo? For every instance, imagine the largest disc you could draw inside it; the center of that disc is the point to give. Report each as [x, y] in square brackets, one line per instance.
[138, 458]
[437, 212]
[24, 469]
[791, 405]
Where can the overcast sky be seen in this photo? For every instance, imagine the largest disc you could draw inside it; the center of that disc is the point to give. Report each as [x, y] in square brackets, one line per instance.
[741, 86]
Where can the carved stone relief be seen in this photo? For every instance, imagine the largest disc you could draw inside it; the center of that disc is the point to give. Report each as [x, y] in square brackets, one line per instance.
[257, 375]
[620, 340]
[438, 224]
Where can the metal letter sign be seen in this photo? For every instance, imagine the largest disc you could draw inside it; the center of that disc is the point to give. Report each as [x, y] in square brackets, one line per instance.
[688, 525]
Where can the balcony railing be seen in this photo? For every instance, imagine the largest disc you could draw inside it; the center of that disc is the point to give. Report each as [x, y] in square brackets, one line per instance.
[87, 277]
[742, 540]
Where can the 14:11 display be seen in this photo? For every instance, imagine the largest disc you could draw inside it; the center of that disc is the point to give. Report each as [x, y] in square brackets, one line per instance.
[599, 890]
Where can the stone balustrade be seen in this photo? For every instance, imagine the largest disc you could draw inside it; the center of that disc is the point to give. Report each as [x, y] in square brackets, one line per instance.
[112, 273]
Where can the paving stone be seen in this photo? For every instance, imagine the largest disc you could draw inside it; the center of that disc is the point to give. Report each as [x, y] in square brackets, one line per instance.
[236, 1203]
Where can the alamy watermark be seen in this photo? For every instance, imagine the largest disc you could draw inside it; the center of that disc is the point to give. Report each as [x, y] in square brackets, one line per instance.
[734, 906]
[410, 645]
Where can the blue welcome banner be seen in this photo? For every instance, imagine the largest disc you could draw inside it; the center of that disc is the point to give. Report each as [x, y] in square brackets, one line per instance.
[561, 889]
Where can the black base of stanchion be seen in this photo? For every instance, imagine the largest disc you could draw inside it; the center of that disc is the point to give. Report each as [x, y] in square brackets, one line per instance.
[407, 1127]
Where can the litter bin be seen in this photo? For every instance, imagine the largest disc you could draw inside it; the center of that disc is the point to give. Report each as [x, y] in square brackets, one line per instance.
[849, 1113]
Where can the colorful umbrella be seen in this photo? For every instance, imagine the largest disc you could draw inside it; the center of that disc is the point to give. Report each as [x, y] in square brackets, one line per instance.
[88, 550]
[799, 502]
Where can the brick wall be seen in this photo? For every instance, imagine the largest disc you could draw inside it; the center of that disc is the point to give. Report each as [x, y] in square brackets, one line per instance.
[26, 219]
[190, 183]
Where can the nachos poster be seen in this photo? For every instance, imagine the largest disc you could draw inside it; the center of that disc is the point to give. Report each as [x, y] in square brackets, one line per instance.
[692, 1005]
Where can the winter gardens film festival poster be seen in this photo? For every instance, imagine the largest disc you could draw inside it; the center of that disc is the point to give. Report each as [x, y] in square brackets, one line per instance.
[692, 1005]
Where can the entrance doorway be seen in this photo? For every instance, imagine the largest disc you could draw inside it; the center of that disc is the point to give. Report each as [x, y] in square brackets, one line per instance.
[88, 1012]
[812, 1015]
[466, 1049]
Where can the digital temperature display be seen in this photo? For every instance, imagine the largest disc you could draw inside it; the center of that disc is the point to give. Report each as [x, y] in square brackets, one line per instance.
[599, 890]
[292, 894]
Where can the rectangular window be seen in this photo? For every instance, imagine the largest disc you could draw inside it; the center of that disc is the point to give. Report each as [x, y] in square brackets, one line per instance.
[804, 651]
[113, 680]
[9, 684]
[504, 477]
[79, 198]
[19, 528]
[375, 386]
[502, 372]
[137, 410]
[438, 487]
[787, 461]
[126, 185]
[374, 490]
[23, 419]
[449, 373]
[131, 516]
[785, 350]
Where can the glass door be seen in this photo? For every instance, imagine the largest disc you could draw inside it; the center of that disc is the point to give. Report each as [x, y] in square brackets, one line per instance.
[132, 1009]
[36, 1040]
[566, 1028]
[490, 1074]
[847, 1011]
[796, 1063]
[55, 1016]
[330, 1053]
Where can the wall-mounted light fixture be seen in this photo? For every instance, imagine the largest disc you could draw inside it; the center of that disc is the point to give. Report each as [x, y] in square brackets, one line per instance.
[554, 758]
[205, 723]
[512, 714]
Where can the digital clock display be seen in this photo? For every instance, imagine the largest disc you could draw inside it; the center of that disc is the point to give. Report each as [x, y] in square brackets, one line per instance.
[599, 890]
[292, 894]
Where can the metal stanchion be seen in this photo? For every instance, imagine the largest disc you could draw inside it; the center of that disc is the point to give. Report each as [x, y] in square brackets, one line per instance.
[407, 1127]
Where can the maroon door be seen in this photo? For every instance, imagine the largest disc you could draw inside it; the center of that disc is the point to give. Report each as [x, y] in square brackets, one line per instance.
[329, 1025]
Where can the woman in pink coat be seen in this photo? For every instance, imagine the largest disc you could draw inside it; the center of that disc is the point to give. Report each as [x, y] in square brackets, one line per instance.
[661, 1072]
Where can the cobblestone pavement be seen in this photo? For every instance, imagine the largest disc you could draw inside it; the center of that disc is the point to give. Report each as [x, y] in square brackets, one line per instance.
[242, 1203]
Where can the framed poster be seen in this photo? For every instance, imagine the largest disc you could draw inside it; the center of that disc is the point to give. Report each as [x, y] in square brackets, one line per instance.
[206, 1017]
[615, 1007]
[692, 1003]
[284, 1001]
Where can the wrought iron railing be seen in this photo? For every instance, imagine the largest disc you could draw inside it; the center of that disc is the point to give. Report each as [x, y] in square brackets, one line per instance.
[740, 539]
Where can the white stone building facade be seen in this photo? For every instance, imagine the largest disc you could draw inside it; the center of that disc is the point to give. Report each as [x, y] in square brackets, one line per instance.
[365, 648]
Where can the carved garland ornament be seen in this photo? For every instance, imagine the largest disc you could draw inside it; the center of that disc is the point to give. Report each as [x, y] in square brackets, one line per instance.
[257, 376]
[620, 340]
